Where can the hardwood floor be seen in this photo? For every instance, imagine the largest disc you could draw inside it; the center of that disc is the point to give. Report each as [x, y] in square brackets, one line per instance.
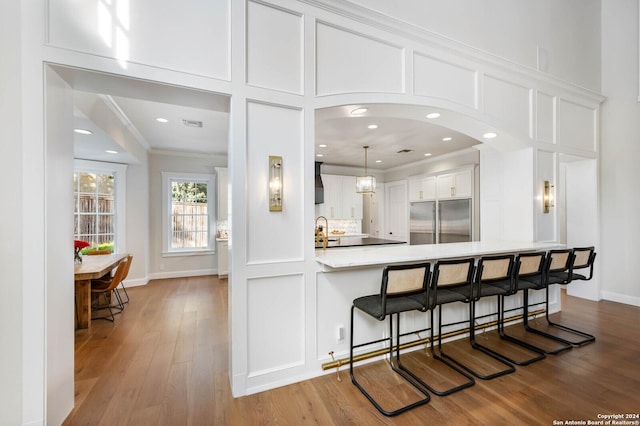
[165, 362]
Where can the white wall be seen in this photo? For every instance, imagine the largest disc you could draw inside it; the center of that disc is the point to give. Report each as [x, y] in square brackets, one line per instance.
[558, 26]
[11, 223]
[59, 214]
[22, 351]
[137, 221]
[141, 32]
[620, 152]
[159, 266]
[507, 197]
[581, 202]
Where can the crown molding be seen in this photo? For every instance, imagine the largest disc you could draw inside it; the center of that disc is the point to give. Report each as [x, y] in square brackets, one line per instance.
[118, 112]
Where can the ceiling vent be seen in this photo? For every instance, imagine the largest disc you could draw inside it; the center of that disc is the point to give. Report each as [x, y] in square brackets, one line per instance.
[404, 151]
[192, 123]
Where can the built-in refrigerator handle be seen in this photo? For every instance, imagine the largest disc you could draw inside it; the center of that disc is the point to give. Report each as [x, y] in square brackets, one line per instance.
[434, 222]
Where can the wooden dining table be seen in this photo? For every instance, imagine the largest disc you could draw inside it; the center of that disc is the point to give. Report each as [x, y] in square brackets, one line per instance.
[92, 267]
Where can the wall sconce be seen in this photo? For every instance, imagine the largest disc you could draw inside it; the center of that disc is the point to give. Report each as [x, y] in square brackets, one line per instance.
[547, 197]
[275, 183]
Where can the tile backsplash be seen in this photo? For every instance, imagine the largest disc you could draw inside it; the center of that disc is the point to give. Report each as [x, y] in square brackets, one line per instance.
[349, 226]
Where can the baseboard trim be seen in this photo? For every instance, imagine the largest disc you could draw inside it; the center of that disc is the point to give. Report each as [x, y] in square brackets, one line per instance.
[621, 298]
[136, 282]
[180, 274]
[170, 274]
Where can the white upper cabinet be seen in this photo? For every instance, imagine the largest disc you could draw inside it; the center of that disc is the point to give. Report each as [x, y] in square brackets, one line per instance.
[341, 201]
[422, 188]
[351, 200]
[458, 184]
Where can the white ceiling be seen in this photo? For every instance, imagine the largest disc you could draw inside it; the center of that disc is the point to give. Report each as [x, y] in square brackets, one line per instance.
[139, 118]
[400, 128]
[136, 105]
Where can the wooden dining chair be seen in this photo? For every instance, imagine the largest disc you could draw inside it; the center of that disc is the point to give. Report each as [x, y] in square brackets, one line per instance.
[107, 287]
[97, 252]
[130, 257]
[126, 274]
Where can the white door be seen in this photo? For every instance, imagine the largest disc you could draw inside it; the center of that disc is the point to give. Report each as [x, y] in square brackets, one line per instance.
[371, 217]
[396, 212]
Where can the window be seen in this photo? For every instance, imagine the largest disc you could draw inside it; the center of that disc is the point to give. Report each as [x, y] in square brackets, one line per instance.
[98, 200]
[189, 217]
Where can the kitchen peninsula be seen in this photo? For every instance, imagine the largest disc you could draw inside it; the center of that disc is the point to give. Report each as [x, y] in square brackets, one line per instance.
[348, 273]
[353, 241]
[366, 256]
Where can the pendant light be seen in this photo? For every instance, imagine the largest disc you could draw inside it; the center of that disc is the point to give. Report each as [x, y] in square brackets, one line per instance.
[365, 184]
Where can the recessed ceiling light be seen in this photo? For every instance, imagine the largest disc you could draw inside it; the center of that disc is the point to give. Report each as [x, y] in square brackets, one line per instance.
[322, 145]
[489, 135]
[447, 139]
[427, 154]
[83, 131]
[162, 120]
[319, 155]
[110, 151]
[433, 115]
[358, 111]
[372, 126]
[378, 161]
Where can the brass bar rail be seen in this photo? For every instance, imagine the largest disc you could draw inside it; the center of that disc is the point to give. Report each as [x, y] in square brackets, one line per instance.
[337, 363]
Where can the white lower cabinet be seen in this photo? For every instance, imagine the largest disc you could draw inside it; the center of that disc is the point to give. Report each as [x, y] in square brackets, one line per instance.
[223, 258]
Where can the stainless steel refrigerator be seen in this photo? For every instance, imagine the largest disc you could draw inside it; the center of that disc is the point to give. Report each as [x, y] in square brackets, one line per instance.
[445, 221]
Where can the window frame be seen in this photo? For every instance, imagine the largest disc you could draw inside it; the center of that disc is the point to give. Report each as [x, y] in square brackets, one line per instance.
[120, 175]
[212, 193]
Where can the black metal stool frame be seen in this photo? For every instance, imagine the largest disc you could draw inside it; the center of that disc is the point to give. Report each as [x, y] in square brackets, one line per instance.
[531, 275]
[500, 284]
[462, 291]
[400, 302]
[428, 301]
[565, 275]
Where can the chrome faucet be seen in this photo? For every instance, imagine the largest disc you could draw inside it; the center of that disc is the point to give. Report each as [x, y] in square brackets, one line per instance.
[322, 234]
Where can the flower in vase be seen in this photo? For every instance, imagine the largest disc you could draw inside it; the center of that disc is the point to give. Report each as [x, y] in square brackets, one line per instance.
[78, 245]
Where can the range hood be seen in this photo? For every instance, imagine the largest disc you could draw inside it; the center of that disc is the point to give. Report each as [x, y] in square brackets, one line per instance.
[319, 186]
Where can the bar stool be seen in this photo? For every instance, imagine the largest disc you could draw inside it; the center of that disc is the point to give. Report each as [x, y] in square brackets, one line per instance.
[563, 273]
[496, 276]
[428, 300]
[399, 282]
[531, 275]
[453, 282]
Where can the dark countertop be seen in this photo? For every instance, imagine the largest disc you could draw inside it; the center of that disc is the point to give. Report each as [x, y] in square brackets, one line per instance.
[358, 242]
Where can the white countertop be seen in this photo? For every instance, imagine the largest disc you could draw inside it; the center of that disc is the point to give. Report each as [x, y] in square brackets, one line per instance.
[384, 255]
